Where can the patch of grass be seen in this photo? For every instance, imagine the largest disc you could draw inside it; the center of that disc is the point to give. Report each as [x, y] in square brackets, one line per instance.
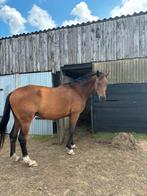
[140, 136]
[43, 138]
[107, 136]
[104, 136]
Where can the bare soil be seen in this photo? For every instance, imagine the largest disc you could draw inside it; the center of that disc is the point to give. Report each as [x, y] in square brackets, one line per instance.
[97, 169]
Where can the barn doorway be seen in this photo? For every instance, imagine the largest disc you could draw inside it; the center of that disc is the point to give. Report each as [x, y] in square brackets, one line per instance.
[70, 72]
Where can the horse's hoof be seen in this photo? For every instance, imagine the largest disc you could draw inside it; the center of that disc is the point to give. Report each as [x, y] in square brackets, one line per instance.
[14, 157]
[29, 162]
[70, 151]
[73, 146]
[33, 163]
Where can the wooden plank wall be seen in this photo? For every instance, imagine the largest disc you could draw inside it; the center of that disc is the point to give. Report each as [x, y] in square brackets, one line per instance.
[115, 39]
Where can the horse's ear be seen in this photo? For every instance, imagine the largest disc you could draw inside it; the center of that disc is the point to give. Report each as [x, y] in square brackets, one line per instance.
[106, 75]
[98, 73]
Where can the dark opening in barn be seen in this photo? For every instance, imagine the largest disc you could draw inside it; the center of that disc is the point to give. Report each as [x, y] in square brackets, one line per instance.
[71, 72]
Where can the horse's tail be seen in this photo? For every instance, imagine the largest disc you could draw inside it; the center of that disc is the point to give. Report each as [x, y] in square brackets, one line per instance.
[4, 120]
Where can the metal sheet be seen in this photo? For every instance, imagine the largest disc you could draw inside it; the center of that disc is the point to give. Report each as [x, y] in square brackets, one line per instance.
[124, 71]
[9, 82]
[39, 127]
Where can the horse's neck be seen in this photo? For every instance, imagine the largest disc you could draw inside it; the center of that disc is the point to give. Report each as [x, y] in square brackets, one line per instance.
[86, 88]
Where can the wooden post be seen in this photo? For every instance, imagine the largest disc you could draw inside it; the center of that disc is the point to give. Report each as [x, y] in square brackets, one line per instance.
[62, 127]
[62, 123]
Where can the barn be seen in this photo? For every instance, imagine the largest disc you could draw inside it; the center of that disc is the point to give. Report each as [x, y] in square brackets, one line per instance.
[50, 57]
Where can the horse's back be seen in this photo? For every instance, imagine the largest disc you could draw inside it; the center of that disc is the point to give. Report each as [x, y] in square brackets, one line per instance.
[26, 93]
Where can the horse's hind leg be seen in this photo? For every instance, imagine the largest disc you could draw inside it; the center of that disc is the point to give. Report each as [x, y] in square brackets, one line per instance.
[23, 143]
[13, 137]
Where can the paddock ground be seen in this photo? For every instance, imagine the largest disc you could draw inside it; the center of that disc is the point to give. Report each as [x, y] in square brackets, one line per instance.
[97, 169]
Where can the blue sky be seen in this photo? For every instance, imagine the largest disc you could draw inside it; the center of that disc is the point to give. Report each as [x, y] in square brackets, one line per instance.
[19, 16]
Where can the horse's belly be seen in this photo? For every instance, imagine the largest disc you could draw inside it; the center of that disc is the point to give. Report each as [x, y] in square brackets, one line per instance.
[55, 116]
[54, 113]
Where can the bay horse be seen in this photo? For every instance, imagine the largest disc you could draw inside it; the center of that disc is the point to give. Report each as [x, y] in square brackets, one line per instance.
[66, 100]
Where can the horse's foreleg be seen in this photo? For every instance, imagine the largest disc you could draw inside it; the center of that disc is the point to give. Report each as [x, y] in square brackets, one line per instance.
[73, 146]
[13, 136]
[23, 143]
[70, 144]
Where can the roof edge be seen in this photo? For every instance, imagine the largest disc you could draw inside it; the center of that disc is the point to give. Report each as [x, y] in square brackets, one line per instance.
[76, 25]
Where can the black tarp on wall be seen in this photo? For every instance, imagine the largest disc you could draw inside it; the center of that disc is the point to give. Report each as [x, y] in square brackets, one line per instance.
[124, 110]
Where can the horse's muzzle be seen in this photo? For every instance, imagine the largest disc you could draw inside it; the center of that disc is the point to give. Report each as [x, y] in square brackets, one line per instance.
[102, 98]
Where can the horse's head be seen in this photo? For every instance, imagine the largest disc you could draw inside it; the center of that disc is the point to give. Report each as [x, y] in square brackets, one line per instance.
[101, 85]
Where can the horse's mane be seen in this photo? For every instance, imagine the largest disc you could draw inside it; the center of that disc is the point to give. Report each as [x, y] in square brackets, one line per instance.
[84, 78]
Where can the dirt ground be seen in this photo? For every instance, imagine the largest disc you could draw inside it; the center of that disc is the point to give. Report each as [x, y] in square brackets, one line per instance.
[97, 169]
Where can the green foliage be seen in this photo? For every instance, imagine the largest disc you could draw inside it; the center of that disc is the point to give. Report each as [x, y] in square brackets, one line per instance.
[107, 136]
[140, 136]
[103, 136]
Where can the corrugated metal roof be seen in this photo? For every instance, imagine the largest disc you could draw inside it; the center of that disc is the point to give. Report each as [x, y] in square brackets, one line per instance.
[76, 25]
[124, 71]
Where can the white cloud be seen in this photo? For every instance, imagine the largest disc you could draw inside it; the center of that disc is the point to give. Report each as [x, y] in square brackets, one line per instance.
[82, 13]
[40, 18]
[2, 1]
[14, 18]
[129, 7]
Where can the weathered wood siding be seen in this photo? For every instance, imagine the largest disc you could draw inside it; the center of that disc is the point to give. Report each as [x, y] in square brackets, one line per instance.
[113, 39]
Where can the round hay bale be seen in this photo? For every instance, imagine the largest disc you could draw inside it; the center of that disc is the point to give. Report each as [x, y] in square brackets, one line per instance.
[124, 141]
